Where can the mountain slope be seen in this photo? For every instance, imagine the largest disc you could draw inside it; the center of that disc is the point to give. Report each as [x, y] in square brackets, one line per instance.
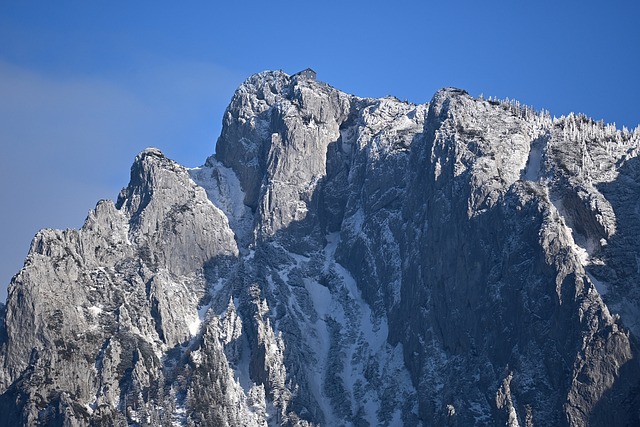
[344, 261]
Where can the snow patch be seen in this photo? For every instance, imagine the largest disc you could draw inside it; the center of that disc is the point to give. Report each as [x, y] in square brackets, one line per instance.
[320, 296]
[319, 340]
[600, 286]
[581, 252]
[533, 169]
[195, 322]
[224, 192]
[358, 348]
[194, 326]
[356, 221]
[241, 370]
[179, 416]
[95, 310]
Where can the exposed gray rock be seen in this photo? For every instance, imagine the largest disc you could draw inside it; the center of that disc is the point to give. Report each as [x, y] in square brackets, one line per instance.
[93, 311]
[2, 313]
[344, 261]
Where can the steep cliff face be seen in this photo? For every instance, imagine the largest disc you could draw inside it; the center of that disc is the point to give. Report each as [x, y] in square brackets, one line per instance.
[508, 304]
[344, 261]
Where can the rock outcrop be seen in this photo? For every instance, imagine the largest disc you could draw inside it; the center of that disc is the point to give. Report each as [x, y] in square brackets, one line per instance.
[344, 261]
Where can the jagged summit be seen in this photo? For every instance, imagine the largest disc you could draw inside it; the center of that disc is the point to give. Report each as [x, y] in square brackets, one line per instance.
[150, 151]
[452, 91]
[344, 261]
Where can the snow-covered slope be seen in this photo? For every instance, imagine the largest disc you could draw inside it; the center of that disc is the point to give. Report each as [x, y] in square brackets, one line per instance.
[344, 261]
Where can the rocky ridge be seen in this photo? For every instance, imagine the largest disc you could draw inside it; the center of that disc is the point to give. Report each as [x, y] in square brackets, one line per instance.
[344, 261]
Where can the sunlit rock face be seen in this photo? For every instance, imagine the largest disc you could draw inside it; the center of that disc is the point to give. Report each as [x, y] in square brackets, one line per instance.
[344, 261]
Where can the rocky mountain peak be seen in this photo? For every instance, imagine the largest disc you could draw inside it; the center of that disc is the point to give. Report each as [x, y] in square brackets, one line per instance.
[344, 261]
[272, 109]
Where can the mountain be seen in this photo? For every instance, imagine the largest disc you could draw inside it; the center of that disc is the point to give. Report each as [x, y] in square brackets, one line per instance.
[344, 261]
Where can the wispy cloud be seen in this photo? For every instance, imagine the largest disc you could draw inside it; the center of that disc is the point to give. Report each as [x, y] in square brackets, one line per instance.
[68, 141]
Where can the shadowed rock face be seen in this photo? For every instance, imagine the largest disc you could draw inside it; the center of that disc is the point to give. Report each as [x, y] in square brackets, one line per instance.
[344, 261]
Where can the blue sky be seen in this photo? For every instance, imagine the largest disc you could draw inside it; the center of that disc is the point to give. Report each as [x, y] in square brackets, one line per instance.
[85, 86]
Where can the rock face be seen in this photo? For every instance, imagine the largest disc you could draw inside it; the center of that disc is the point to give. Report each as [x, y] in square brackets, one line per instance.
[344, 261]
